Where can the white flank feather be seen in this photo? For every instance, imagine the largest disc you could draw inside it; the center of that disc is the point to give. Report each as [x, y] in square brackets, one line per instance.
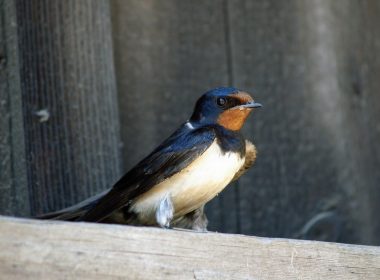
[195, 185]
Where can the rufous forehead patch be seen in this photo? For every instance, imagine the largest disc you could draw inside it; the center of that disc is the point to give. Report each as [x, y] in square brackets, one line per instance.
[243, 97]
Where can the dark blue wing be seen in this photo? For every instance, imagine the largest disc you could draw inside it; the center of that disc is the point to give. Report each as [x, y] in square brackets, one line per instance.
[173, 155]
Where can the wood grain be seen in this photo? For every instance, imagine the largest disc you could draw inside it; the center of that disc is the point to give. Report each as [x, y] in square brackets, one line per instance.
[69, 106]
[14, 195]
[32, 249]
[314, 67]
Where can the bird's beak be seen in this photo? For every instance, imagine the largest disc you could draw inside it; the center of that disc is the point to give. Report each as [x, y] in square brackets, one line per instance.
[250, 104]
[246, 101]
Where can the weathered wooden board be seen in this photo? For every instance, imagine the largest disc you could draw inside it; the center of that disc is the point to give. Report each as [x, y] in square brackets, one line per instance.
[59, 63]
[14, 192]
[32, 249]
[315, 67]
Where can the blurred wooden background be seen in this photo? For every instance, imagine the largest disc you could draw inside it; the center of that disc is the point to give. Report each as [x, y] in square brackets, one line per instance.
[89, 87]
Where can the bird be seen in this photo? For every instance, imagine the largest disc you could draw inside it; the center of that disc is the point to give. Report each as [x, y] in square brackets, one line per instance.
[170, 187]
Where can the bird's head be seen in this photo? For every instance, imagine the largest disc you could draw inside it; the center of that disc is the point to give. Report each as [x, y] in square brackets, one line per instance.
[228, 107]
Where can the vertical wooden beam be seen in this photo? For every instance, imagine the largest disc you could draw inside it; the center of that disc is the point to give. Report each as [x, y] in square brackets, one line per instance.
[69, 105]
[266, 61]
[14, 195]
[314, 66]
[358, 69]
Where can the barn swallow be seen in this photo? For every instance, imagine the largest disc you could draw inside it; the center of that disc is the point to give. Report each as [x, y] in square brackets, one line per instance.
[170, 186]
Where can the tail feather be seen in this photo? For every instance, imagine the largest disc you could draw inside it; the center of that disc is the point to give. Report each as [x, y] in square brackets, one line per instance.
[75, 212]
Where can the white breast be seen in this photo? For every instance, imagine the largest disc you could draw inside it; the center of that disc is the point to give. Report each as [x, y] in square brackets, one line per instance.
[195, 185]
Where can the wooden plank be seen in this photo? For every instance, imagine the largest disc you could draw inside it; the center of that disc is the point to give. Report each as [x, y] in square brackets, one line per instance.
[5, 145]
[69, 103]
[316, 174]
[358, 69]
[32, 249]
[14, 194]
[167, 54]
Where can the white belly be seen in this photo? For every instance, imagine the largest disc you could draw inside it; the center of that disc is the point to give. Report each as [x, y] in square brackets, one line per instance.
[195, 185]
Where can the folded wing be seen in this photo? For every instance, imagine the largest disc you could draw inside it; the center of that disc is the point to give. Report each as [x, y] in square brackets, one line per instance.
[174, 154]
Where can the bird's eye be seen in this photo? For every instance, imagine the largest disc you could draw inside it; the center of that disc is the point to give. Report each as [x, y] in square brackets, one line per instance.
[221, 101]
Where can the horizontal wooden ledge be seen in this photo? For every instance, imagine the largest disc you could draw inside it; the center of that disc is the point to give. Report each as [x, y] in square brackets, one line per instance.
[33, 249]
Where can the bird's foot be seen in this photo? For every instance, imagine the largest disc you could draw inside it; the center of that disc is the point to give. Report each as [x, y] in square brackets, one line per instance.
[193, 221]
[200, 230]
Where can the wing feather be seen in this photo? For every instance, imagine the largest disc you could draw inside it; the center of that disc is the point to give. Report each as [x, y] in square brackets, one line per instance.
[174, 154]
